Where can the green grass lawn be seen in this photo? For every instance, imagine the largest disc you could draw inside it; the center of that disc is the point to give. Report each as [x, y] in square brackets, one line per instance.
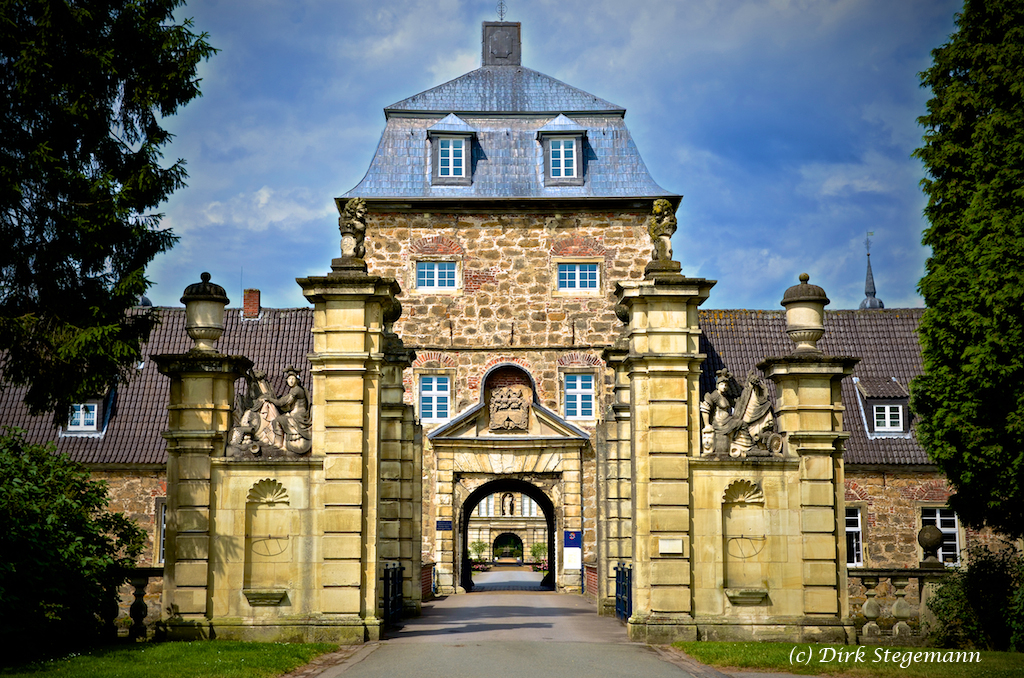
[826, 660]
[201, 659]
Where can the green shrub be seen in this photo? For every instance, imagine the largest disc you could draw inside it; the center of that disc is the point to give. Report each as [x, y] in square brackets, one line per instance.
[981, 605]
[539, 550]
[61, 552]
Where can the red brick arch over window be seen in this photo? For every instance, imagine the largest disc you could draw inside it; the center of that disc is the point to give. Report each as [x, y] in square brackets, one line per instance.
[441, 359]
[576, 359]
[440, 244]
[578, 246]
[855, 492]
[930, 490]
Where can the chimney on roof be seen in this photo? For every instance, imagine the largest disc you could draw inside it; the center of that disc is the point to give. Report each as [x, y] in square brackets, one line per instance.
[502, 44]
[251, 304]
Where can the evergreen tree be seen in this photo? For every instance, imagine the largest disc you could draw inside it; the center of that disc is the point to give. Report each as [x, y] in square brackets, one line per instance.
[86, 83]
[971, 398]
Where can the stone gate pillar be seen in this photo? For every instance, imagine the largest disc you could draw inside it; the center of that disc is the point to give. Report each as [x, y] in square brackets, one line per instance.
[663, 364]
[199, 417]
[614, 473]
[351, 309]
[810, 411]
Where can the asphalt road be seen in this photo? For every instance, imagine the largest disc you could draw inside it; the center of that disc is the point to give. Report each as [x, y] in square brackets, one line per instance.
[521, 633]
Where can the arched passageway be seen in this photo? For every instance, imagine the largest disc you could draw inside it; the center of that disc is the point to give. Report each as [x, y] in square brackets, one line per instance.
[507, 545]
[501, 485]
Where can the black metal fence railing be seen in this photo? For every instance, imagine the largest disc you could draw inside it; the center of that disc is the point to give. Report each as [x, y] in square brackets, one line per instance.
[623, 591]
[392, 593]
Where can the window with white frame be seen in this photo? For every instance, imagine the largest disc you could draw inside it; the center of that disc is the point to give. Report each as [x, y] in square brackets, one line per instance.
[579, 396]
[944, 519]
[435, 275]
[563, 160]
[435, 395]
[577, 277]
[854, 538]
[84, 417]
[451, 157]
[529, 507]
[888, 417]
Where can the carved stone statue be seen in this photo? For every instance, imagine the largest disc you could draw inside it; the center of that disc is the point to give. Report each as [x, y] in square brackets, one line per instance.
[508, 502]
[267, 426]
[352, 224]
[510, 408]
[744, 428]
[660, 226]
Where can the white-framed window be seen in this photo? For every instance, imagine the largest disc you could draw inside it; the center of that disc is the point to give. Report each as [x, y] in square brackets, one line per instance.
[529, 507]
[577, 276]
[451, 157]
[84, 417]
[945, 519]
[436, 275]
[888, 417]
[435, 398]
[579, 396]
[563, 159]
[854, 538]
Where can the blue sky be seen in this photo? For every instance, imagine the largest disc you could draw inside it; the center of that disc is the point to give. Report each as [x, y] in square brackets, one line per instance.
[787, 125]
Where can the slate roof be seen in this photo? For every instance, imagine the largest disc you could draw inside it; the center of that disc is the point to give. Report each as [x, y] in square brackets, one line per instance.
[506, 106]
[278, 339]
[884, 339]
[503, 89]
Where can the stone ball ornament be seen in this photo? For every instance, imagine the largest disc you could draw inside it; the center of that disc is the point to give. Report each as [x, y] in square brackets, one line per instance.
[930, 539]
[805, 315]
[204, 312]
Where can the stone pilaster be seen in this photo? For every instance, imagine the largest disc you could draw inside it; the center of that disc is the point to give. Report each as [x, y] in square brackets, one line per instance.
[401, 484]
[614, 473]
[199, 417]
[663, 363]
[350, 312]
[810, 411]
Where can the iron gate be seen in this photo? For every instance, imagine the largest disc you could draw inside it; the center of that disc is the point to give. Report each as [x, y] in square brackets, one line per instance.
[623, 591]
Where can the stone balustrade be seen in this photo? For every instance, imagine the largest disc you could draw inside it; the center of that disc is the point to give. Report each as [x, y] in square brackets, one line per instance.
[901, 633]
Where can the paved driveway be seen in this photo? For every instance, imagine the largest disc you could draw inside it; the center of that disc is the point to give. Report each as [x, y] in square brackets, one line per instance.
[509, 633]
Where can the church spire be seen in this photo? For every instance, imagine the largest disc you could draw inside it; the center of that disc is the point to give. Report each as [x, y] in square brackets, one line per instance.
[869, 282]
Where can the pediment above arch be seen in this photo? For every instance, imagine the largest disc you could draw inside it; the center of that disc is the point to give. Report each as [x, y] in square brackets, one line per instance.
[473, 427]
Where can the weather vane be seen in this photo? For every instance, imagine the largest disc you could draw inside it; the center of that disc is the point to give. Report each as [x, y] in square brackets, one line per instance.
[867, 242]
[501, 10]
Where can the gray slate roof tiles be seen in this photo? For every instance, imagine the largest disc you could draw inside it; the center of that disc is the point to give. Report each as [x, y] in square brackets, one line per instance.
[885, 340]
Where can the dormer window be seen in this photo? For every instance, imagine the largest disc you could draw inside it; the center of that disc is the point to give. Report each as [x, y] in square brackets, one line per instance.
[562, 141]
[563, 158]
[451, 150]
[451, 157]
[889, 418]
[83, 418]
[885, 404]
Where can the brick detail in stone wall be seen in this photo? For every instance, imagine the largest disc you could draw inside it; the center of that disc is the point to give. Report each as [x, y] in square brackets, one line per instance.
[932, 490]
[474, 279]
[855, 492]
[575, 359]
[508, 376]
[578, 246]
[437, 245]
[433, 359]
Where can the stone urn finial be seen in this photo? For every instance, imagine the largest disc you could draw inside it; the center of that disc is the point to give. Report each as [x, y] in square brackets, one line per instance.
[805, 314]
[204, 313]
[930, 539]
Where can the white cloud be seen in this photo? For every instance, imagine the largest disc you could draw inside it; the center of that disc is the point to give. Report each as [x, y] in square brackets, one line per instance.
[875, 173]
[259, 210]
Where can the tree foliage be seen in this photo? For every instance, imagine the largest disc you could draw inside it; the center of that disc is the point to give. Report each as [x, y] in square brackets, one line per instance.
[971, 398]
[61, 552]
[86, 83]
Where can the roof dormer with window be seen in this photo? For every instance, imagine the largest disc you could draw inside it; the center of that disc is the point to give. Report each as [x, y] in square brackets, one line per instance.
[885, 407]
[451, 152]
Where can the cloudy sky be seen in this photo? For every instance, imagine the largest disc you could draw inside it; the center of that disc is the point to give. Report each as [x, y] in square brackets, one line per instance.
[787, 125]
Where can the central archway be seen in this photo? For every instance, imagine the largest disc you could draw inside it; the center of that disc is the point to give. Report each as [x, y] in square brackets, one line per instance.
[501, 485]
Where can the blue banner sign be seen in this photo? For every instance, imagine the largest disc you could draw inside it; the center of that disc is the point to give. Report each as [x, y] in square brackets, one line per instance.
[444, 526]
[573, 539]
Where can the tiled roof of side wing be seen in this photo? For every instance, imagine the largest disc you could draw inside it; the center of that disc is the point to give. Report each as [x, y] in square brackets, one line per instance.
[278, 339]
[885, 340]
[507, 162]
[504, 89]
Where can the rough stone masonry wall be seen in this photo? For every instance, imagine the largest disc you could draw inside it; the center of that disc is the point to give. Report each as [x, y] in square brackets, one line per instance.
[134, 492]
[507, 307]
